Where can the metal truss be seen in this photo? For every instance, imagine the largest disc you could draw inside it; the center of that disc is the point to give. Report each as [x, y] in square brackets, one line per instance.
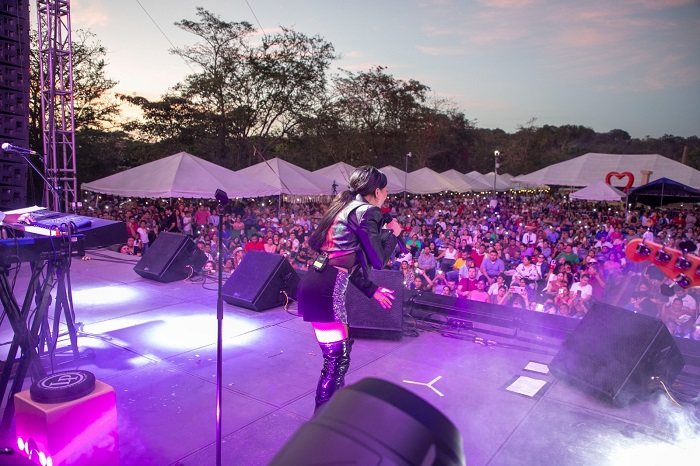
[56, 74]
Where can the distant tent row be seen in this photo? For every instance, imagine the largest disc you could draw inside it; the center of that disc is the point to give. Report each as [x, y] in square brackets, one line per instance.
[184, 175]
[589, 168]
[657, 193]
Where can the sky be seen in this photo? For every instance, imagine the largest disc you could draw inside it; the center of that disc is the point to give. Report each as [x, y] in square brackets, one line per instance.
[604, 64]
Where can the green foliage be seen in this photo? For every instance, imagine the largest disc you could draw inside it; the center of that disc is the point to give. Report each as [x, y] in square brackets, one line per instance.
[243, 98]
[251, 97]
[92, 106]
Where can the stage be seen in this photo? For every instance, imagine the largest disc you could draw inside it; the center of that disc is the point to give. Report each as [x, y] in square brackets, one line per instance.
[155, 344]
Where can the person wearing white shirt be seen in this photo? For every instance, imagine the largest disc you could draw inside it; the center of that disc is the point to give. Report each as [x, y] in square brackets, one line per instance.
[584, 287]
[529, 238]
[527, 270]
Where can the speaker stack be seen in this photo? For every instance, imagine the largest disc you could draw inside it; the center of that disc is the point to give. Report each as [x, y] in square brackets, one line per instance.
[171, 257]
[619, 355]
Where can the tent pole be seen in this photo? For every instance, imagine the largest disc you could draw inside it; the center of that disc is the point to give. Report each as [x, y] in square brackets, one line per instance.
[662, 195]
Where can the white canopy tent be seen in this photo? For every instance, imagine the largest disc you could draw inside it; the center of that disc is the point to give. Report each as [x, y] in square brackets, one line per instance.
[179, 175]
[477, 179]
[592, 167]
[427, 181]
[461, 183]
[338, 172]
[287, 178]
[502, 183]
[515, 185]
[396, 179]
[598, 191]
[487, 181]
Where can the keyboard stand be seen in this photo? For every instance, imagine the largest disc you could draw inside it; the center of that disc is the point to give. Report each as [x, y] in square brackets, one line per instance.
[24, 338]
[60, 280]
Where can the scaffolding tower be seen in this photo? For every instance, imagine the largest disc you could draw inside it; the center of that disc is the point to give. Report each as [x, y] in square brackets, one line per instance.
[56, 76]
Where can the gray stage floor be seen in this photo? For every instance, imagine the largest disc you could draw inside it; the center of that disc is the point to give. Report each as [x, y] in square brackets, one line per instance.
[158, 351]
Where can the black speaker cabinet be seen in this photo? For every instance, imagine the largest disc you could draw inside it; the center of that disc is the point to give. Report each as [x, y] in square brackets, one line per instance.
[618, 355]
[171, 257]
[367, 319]
[260, 280]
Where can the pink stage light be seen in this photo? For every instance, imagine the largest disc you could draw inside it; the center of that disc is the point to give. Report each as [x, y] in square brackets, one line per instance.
[82, 431]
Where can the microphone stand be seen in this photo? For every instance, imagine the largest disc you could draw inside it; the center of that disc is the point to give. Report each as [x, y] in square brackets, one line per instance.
[223, 200]
[56, 190]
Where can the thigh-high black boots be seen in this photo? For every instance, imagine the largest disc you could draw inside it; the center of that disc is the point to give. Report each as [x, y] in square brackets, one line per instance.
[336, 360]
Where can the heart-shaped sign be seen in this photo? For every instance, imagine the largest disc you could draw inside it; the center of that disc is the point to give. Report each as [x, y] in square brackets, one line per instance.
[630, 180]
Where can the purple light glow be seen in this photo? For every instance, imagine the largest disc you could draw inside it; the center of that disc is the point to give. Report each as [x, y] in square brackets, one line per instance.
[82, 431]
[104, 295]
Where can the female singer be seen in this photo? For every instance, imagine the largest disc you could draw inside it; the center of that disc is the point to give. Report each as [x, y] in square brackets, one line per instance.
[350, 239]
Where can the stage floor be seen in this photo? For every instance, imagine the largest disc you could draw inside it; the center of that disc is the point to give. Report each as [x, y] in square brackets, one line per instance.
[155, 343]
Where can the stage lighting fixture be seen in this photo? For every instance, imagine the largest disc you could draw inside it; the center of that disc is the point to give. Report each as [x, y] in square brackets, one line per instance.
[375, 422]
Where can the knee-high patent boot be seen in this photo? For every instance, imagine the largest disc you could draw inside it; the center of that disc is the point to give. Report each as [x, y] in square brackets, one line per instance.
[336, 360]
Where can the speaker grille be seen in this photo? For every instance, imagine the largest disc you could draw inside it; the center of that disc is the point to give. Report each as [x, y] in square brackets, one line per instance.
[259, 281]
[616, 352]
[367, 318]
[171, 257]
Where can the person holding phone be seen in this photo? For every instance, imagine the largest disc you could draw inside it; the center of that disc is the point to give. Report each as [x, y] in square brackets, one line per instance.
[352, 238]
[583, 288]
[555, 286]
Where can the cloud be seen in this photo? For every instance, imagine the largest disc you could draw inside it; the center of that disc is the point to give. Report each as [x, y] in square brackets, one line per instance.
[86, 14]
[642, 44]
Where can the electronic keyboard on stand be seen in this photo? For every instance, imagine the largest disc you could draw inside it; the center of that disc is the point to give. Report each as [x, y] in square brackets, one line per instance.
[48, 244]
[27, 249]
[98, 232]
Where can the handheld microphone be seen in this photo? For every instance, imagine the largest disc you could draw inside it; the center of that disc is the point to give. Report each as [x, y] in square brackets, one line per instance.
[399, 240]
[7, 147]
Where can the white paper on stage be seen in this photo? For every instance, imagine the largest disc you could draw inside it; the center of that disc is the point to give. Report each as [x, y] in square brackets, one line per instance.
[526, 386]
[537, 367]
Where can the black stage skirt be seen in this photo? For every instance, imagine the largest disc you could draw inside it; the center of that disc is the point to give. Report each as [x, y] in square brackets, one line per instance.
[321, 295]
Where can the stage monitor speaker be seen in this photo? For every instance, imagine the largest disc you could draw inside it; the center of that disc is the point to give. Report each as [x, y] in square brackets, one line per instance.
[619, 355]
[171, 257]
[260, 282]
[367, 319]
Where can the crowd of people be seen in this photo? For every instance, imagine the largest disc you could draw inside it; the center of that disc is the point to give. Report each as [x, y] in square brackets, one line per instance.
[535, 250]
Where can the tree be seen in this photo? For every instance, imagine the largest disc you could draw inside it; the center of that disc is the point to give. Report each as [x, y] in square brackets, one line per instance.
[249, 97]
[93, 108]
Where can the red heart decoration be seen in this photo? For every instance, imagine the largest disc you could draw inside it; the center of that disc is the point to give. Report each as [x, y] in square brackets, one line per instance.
[617, 175]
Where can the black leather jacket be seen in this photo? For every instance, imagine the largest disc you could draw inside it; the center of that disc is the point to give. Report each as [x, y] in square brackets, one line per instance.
[358, 228]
